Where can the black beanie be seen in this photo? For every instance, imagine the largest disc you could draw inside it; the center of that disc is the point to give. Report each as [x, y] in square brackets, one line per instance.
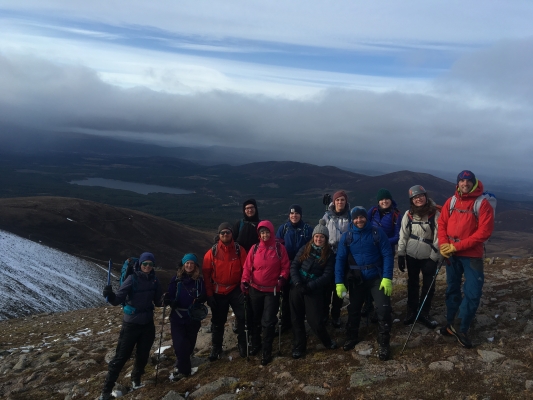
[295, 208]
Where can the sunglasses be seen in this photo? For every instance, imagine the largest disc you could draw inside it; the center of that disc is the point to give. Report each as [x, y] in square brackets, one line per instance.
[224, 233]
[147, 264]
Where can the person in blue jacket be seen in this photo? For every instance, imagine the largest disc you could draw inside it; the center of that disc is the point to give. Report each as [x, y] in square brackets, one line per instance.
[185, 288]
[367, 252]
[295, 234]
[387, 217]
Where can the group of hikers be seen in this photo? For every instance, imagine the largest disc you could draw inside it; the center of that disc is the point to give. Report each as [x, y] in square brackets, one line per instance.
[304, 273]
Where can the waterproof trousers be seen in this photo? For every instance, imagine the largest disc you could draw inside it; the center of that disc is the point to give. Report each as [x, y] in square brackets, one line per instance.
[235, 299]
[131, 336]
[265, 308]
[184, 340]
[472, 269]
[310, 305]
[428, 267]
[358, 294]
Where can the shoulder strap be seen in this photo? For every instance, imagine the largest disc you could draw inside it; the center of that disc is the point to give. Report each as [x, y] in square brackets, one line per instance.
[285, 228]
[237, 248]
[241, 224]
[278, 250]
[348, 239]
[452, 204]
[395, 215]
[214, 250]
[375, 235]
[178, 287]
[306, 229]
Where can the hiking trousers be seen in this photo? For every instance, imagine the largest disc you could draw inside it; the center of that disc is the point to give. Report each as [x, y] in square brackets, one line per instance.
[235, 299]
[428, 267]
[184, 340]
[472, 269]
[358, 294]
[310, 305]
[131, 336]
[265, 308]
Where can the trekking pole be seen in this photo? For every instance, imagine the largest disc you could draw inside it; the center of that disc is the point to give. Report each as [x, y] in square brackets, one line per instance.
[280, 320]
[246, 326]
[444, 260]
[108, 277]
[160, 339]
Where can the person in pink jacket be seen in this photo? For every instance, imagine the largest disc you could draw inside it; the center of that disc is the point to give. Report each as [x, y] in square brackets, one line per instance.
[265, 272]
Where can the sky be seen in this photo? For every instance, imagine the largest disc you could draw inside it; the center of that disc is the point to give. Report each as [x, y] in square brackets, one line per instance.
[418, 85]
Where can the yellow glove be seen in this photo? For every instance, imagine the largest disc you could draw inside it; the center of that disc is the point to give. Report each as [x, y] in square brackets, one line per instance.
[447, 249]
[341, 290]
[386, 285]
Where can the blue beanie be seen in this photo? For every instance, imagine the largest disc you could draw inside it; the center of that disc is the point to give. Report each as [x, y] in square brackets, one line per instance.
[358, 211]
[466, 174]
[189, 257]
[146, 257]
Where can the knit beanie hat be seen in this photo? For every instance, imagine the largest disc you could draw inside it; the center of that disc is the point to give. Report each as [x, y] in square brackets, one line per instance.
[321, 228]
[466, 175]
[146, 257]
[340, 193]
[225, 225]
[358, 211]
[383, 194]
[295, 208]
[189, 257]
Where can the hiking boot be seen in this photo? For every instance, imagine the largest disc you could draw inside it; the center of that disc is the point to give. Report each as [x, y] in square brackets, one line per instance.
[178, 376]
[349, 344]
[106, 396]
[266, 357]
[410, 317]
[215, 353]
[444, 331]
[336, 322]
[297, 354]
[428, 322]
[461, 337]
[136, 384]
[384, 352]
[242, 350]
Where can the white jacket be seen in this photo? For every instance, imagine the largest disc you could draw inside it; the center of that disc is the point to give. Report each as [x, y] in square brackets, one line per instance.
[416, 248]
[336, 225]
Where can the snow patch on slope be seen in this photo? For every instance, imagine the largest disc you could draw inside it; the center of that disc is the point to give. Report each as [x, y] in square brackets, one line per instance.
[37, 279]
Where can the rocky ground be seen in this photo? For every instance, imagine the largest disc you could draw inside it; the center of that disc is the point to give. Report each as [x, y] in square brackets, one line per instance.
[64, 355]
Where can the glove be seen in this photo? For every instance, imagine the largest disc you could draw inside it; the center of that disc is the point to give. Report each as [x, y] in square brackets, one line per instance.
[447, 249]
[341, 290]
[386, 285]
[281, 283]
[201, 299]
[211, 302]
[108, 293]
[166, 299]
[401, 263]
[245, 287]
[302, 288]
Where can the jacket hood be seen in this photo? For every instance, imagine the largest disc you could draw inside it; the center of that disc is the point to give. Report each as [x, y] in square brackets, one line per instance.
[270, 227]
[368, 225]
[346, 210]
[476, 191]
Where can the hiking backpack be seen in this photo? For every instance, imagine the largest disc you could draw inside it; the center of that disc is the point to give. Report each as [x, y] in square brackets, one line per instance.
[305, 228]
[491, 198]
[375, 237]
[130, 266]
[278, 248]
[430, 222]
[237, 249]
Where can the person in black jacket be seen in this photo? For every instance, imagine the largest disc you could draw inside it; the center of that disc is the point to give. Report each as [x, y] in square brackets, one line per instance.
[245, 229]
[140, 292]
[312, 272]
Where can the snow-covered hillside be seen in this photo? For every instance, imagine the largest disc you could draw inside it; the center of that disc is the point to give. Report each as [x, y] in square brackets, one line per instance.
[36, 279]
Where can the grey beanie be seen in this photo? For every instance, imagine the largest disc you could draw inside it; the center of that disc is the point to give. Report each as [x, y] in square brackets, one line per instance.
[321, 228]
[225, 225]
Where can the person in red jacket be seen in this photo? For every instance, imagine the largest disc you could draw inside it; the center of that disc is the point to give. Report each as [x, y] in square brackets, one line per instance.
[461, 236]
[266, 271]
[222, 271]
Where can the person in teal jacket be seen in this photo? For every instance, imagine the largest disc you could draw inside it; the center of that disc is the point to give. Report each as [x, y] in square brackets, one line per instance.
[367, 252]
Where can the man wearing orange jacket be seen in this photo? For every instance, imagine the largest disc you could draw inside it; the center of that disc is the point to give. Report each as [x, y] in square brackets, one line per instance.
[222, 270]
[462, 232]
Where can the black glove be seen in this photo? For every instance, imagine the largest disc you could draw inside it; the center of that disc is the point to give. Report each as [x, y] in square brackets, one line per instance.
[281, 282]
[401, 263]
[305, 289]
[211, 302]
[108, 293]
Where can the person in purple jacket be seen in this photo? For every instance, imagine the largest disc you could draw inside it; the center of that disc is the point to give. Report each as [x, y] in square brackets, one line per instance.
[186, 288]
[139, 293]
